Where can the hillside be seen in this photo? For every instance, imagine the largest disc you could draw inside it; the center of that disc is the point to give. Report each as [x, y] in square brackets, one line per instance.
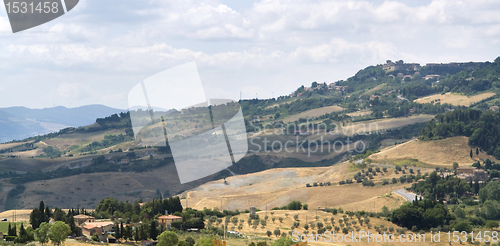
[371, 110]
[438, 152]
[21, 122]
[278, 187]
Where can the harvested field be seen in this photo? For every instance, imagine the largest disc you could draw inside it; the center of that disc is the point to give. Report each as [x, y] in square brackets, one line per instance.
[439, 152]
[313, 113]
[455, 99]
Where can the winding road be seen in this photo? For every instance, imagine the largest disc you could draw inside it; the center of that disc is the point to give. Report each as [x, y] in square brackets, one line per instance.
[407, 195]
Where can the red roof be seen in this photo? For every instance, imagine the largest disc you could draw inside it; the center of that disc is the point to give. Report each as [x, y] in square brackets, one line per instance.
[97, 225]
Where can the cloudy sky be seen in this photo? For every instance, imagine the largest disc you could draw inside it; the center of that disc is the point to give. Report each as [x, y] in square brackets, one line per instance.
[100, 50]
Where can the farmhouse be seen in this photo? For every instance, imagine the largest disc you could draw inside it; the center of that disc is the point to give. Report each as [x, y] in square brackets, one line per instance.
[81, 218]
[167, 220]
[472, 174]
[89, 229]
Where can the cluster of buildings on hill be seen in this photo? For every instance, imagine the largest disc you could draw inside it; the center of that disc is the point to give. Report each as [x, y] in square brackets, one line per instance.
[89, 226]
[400, 65]
[389, 66]
[320, 86]
[414, 68]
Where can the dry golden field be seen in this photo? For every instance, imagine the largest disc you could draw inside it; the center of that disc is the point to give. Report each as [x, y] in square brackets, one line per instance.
[440, 152]
[21, 215]
[455, 99]
[313, 113]
[278, 187]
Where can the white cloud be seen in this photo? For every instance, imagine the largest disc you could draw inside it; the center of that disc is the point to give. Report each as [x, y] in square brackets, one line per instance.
[275, 43]
[73, 91]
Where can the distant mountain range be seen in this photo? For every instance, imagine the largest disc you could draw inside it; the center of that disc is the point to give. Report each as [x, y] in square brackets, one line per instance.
[21, 122]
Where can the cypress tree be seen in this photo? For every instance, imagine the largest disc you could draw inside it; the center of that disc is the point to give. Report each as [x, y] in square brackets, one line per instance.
[23, 236]
[121, 229]
[136, 235]
[153, 233]
[41, 214]
[35, 217]
[48, 214]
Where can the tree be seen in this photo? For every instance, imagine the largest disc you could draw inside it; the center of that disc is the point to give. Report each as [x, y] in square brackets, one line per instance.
[71, 222]
[305, 206]
[455, 165]
[190, 240]
[153, 233]
[183, 243]
[277, 232]
[463, 225]
[127, 233]
[470, 153]
[168, 238]
[10, 232]
[121, 230]
[269, 233]
[283, 241]
[491, 224]
[489, 192]
[58, 233]
[294, 205]
[95, 237]
[204, 242]
[23, 235]
[42, 233]
[35, 218]
[136, 234]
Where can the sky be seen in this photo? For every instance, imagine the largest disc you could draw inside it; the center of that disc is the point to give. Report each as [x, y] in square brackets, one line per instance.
[97, 52]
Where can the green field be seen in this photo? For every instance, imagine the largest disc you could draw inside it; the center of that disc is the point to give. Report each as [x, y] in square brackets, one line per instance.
[4, 225]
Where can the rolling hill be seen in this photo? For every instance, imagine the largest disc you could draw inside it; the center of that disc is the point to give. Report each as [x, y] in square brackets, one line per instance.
[79, 165]
[21, 122]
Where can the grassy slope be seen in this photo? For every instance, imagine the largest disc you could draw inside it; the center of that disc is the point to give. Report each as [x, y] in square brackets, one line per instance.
[440, 152]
